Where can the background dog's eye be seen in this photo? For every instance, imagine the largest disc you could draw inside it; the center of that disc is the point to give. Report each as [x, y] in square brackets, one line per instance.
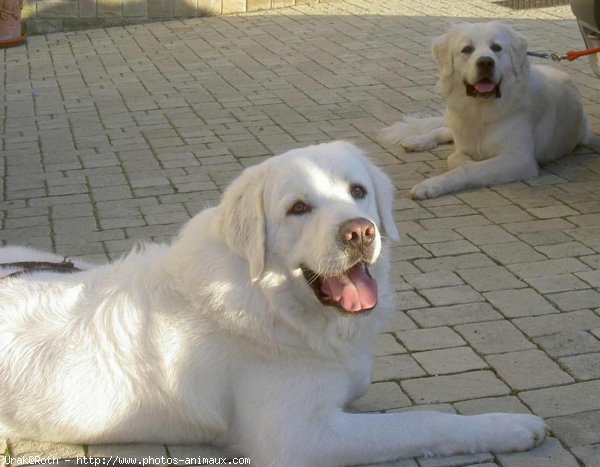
[467, 49]
[358, 191]
[496, 47]
[299, 208]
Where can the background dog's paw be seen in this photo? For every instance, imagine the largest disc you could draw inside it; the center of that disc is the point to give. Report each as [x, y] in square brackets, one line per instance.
[408, 136]
[507, 432]
[418, 143]
[429, 188]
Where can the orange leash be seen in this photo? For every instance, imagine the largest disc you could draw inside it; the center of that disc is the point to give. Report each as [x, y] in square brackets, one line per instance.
[570, 55]
[573, 54]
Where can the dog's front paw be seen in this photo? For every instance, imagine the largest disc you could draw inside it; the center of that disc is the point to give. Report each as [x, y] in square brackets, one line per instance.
[429, 188]
[507, 432]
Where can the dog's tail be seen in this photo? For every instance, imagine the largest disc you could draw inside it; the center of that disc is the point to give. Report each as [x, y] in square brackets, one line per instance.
[417, 134]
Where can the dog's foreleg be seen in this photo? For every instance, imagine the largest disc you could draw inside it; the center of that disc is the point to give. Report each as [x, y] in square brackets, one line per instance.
[351, 439]
[503, 168]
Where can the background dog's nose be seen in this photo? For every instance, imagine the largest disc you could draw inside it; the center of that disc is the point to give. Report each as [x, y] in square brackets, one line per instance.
[485, 63]
[357, 232]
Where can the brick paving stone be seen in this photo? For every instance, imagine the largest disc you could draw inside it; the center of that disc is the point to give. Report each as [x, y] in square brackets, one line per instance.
[395, 367]
[454, 263]
[491, 278]
[486, 234]
[589, 455]
[504, 214]
[455, 461]
[457, 247]
[510, 404]
[429, 280]
[428, 339]
[568, 343]
[548, 454]
[22, 450]
[381, 396]
[399, 321]
[557, 283]
[520, 302]
[451, 388]
[445, 361]
[408, 299]
[582, 367]
[564, 400]
[575, 299]
[552, 211]
[386, 344]
[494, 337]
[565, 250]
[454, 314]
[452, 295]
[578, 429]
[528, 369]
[550, 237]
[544, 268]
[553, 324]
[512, 252]
[591, 277]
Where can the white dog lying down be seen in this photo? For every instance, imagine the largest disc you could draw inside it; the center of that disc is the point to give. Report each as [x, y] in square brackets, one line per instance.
[251, 330]
[504, 115]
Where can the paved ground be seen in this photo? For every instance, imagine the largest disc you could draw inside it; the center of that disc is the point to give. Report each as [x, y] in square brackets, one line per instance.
[116, 135]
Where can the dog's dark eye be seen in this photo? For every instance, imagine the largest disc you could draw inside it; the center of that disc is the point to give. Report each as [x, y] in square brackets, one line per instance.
[496, 47]
[299, 208]
[467, 49]
[358, 191]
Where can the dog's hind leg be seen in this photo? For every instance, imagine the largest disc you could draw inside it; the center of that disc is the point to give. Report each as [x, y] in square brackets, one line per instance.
[419, 134]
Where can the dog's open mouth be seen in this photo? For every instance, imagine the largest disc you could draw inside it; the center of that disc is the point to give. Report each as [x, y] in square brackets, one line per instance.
[485, 88]
[354, 291]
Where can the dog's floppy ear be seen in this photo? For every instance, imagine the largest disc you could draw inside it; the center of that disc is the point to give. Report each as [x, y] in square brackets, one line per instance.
[242, 219]
[518, 51]
[442, 54]
[384, 195]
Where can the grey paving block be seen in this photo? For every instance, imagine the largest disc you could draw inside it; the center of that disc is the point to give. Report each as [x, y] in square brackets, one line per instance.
[528, 369]
[579, 429]
[494, 337]
[432, 338]
[451, 388]
[564, 400]
[548, 454]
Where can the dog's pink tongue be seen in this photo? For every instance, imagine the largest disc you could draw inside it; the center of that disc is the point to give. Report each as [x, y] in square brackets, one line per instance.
[485, 86]
[354, 290]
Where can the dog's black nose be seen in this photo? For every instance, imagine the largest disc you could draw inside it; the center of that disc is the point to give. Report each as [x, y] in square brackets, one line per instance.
[358, 232]
[485, 63]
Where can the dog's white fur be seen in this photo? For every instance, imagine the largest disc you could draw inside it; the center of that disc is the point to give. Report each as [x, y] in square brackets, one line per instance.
[218, 338]
[538, 118]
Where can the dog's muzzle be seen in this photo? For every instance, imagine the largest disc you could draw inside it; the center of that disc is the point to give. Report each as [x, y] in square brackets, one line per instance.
[486, 87]
[354, 290]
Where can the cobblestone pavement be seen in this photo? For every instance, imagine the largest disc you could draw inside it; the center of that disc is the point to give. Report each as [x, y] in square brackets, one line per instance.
[116, 135]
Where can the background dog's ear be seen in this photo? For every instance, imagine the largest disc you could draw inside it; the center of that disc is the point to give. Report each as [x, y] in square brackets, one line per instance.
[384, 195]
[518, 51]
[242, 219]
[442, 54]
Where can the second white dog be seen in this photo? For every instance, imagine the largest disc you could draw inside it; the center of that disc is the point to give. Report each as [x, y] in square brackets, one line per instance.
[505, 116]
